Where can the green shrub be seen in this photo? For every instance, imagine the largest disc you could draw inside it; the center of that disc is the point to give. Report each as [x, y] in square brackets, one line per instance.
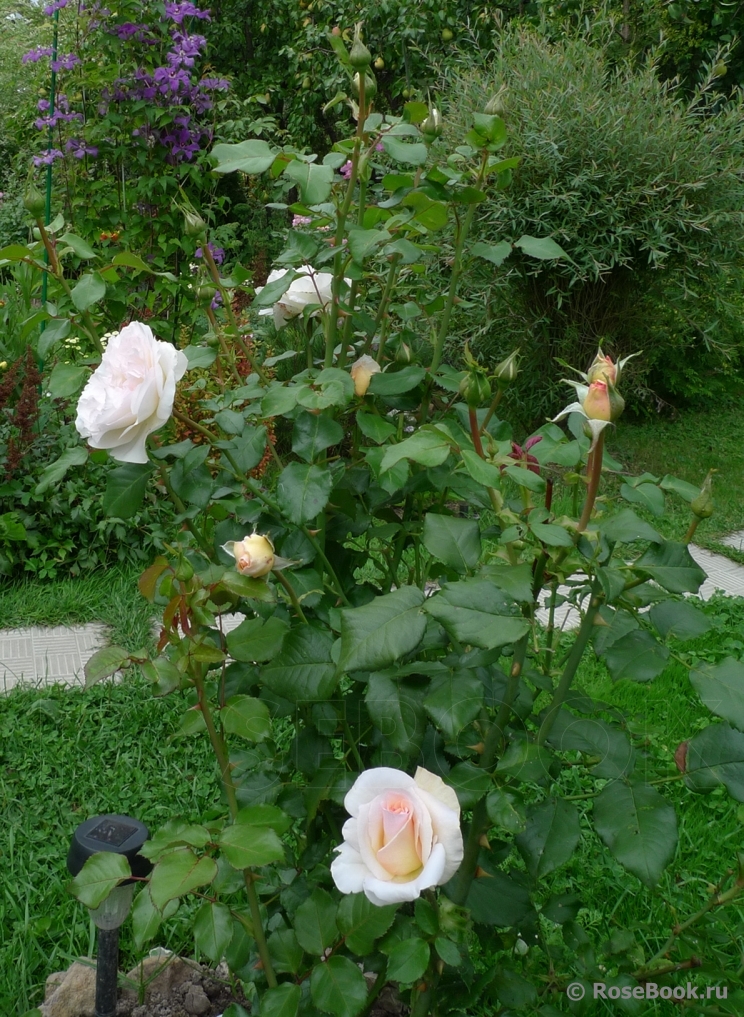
[640, 186]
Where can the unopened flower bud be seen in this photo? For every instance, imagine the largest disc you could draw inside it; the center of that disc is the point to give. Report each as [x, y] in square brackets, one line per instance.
[506, 372]
[403, 354]
[495, 106]
[432, 128]
[475, 388]
[193, 224]
[34, 201]
[360, 57]
[703, 505]
[205, 293]
[254, 555]
[603, 368]
[361, 373]
[603, 402]
[370, 85]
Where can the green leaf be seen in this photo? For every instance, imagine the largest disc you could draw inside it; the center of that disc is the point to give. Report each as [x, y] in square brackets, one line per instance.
[79, 246]
[129, 260]
[213, 930]
[542, 248]
[498, 900]
[315, 923]
[477, 613]
[397, 711]
[303, 491]
[721, 688]
[248, 449]
[514, 580]
[248, 587]
[281, 1001]
[98, 877]
[470, 783]
[271, 292]
[495, 253]
[104, 663]
[638, 826]
[89, 290]
[716, 756]
[375, 428]
[363, 242]
[679, 619]
[379, 633]
[146, 919]
[672, 566]
[524, 477]
[53, 473]
[54, 330]
[303, 671]
[246, 717]
[688, 492]
[396, 382]
[626, 527]
[649, 496]
[414, 154]
[637, 656]
[199, 357]
[454, 700]
[174, 833]
[451, 540]
[246, 846]
[552, 535]
[551, 836]
[430, 448]
[408, 961]
[257, 640]
[179, 873]
[265, 815]
[252, 157]
[361, 922]
[596, 738]
[338, 987]
[15, 252]
[314, 432]
[482, 472]
[525, 760]
[426, 917]
[125, 489]
[313, 180]
[286, 953]
[505, 811]
[513, 990]
[66, 380]
[447, 951]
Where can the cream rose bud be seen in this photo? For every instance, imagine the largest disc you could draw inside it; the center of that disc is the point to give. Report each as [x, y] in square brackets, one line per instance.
[254, 555]
[310, 287]
[361, 373]
[403, 836]
[130, 394]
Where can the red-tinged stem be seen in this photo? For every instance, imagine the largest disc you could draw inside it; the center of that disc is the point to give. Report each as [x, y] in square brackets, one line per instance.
[593, 472]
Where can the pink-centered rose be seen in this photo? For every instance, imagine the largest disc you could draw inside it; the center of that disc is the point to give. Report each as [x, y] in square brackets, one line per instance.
[130, 394]
[403, 836]
[254, 555]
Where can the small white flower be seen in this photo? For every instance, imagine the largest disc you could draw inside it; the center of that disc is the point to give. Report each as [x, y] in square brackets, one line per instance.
[309, 289]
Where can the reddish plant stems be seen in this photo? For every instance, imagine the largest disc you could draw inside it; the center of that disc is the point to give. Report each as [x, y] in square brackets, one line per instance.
[593, 472]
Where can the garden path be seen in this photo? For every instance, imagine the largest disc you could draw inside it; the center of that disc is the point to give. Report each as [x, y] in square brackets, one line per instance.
[35, 657]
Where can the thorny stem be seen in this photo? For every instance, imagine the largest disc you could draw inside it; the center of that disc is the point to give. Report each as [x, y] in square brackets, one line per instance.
[574, 659]
[593, 472]
[381, 318]
[292, 596]
[223, 345]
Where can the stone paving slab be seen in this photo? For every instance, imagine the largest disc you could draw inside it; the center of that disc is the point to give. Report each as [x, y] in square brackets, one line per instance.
[39, 656]
[735, 540]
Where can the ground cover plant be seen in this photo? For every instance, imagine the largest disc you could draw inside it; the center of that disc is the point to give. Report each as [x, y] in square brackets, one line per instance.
[391, 727]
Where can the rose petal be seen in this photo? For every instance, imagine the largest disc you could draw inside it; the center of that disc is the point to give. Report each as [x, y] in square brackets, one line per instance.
[348, 870]
[399, 856]
[382, 892]
[435, 786]
[445, 832]
[374, 782]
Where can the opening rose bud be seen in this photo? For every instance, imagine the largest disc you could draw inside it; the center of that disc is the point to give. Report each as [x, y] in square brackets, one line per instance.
[361, 373]
[603, 369]
[597, 401]
[403, 836]
[254, 555]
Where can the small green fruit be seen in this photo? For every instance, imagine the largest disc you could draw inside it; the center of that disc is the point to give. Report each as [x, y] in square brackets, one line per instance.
[379, 64]
[447, 35]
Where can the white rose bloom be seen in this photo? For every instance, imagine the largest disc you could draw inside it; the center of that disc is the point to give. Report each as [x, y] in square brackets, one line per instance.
[130, 394]
[310, 287]
[404, 836]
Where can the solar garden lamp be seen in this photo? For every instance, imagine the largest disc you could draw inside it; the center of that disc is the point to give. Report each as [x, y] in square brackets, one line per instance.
[123, 836]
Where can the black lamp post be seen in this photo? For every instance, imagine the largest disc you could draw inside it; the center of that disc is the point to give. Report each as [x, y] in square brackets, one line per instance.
[125, 836]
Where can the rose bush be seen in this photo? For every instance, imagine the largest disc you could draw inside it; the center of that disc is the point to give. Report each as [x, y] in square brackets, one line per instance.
[403, 665]
[404, 836]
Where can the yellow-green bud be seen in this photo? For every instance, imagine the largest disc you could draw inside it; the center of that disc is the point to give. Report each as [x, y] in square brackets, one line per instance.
[205, 293]
[403, 354]
[193, 224]
[431, 128]
[34, 201]
[703, 505]
[495, 106]
[506, 372]
[360, 57]
[370, 85]
[475, 388]
[184, 570]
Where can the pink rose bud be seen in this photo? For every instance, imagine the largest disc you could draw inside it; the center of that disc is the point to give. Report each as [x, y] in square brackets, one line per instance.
[603, 369]
[361, 373]
[597, 402]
